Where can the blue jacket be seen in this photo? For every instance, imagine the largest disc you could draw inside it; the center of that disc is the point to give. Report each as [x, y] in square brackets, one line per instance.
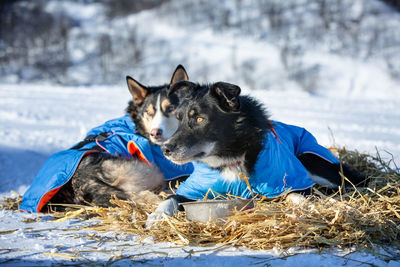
[119, 139]
[277, 169]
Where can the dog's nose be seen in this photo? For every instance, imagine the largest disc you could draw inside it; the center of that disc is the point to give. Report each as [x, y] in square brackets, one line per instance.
[156, 133]
[168, 149]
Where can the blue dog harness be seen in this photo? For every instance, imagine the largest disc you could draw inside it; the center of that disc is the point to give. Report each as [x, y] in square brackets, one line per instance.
[116, 137]
[276, 171]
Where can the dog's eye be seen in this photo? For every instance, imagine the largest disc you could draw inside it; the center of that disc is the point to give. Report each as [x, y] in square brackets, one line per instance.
[149, 113]
[199, 120]
[170, 108]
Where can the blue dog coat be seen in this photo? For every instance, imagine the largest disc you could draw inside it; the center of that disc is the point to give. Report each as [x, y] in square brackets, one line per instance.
[277, 169]
[116, 137]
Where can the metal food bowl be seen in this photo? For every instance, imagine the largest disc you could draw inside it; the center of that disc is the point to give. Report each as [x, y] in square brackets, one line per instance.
[208, 210]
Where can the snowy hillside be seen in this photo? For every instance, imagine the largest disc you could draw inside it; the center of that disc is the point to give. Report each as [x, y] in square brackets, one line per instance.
[344, 47]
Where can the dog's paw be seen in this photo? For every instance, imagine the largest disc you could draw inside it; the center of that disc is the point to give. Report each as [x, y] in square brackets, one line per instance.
[295, 198]
[153, 219]
[168, 207]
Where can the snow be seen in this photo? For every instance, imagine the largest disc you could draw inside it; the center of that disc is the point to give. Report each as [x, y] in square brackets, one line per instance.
[38, 120]
[352, 101]
[75, 10]
[44, 243]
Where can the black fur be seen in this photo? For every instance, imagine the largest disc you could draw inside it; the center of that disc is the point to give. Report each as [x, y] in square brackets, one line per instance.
[227, 120]
[318, 166]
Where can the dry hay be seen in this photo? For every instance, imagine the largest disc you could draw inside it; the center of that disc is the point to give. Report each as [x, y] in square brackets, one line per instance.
[353, 217]
[11, 203]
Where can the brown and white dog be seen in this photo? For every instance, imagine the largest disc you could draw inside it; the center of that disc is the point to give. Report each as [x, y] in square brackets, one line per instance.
[99, 176]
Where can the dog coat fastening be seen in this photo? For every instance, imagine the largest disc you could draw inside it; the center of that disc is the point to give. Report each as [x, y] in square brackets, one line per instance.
[116, 137]
[277, 168]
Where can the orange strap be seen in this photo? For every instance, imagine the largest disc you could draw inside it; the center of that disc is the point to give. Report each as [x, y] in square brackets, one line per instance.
[134, 150]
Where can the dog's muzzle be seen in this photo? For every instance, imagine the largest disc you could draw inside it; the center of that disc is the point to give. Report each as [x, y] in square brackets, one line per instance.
[183, 154]
[174, 153]
[168, 149]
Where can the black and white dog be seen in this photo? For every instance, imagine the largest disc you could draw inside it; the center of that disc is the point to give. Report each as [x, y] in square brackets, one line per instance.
[227, 133]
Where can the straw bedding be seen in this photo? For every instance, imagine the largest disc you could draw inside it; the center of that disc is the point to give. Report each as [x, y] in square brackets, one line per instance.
[353, 217]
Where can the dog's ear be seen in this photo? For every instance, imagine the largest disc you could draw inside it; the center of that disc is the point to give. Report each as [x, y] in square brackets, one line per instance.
[179, 75]
[138, 91]
[227, 95]
[182, 88]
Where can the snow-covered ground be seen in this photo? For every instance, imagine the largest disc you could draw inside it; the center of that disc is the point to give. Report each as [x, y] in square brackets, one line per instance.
[38, 120]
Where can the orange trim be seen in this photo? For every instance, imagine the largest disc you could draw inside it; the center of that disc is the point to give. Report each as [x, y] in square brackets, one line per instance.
[97, 142]
[89, 152]
[277, 137]
[49, 195]
[273, 131]
[46, 198]
[134, 149]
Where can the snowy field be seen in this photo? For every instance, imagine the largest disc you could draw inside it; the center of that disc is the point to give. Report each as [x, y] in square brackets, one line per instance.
[38, 120]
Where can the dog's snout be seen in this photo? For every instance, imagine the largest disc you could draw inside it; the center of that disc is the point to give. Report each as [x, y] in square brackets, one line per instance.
[168, 149]
[156, 133]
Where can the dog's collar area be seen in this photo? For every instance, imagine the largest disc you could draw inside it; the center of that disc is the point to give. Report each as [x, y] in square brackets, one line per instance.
[237, 164]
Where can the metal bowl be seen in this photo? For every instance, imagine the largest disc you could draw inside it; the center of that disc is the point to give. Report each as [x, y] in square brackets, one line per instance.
[208, 210]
